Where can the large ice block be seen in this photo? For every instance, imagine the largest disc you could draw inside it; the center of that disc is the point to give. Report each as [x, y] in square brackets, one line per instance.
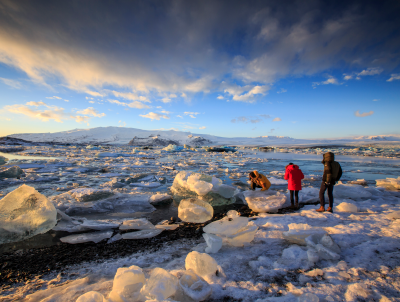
[161, 285]
[91, 296]
[346, 207]
[202, 264]
[324, 246]
[192, 288]
[136, 224]
[226, 226]
[355, 192]
[128, 282]
[195, 210]
[298, 232]
[244, 235]
[264, 201]
[12, 172]
[90, 194]
[214, 243]
[86, 237]
[24, 213]
[389, 183]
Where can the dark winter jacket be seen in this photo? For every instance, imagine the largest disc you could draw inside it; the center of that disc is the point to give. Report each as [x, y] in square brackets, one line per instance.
[294, 176]
[332, 169]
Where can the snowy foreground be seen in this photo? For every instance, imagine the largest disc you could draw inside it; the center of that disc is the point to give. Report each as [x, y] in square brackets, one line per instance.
[350, 255]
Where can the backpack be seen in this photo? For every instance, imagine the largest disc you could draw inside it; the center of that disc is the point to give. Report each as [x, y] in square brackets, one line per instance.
[336, 170]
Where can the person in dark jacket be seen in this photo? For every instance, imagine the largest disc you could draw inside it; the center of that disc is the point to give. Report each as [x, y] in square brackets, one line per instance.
[294, 176]
[332, 174]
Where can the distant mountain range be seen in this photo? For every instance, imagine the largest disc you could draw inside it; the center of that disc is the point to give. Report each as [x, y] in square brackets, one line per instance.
[138, 137]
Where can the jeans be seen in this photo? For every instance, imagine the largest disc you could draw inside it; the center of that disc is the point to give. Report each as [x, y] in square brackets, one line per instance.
[296, 194]
[325, 187]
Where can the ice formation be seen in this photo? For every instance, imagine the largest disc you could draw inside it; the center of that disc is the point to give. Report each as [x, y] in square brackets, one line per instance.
[389, 183]
[91, 296]
[207, 188]
[136, 224]
[195, 210]
[192, 288]
[3, 160]
[142, 234]
[346, 207]
[161, 285]
[202, 264]
[89, 194]
[355, 192]
[264, 201]
[394, 215]
[323, 246]
[298, 232]
[24, 213]
[12, 172]
[159, 199]
[128, 281]
[214, 243]
[86, 237]
[73, 224]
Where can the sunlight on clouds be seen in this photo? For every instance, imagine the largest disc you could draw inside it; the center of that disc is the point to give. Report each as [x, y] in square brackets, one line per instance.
[394, 76]
[36, 104]
[134, 104]
[220, 97]
[238, 92]
[53, 97]
[330, 80]
[277, 119]
[358, 114]
[201, 128]
[91, 111]
[154, 116]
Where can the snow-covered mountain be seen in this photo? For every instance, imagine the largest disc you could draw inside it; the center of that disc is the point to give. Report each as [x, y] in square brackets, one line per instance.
[138, 137]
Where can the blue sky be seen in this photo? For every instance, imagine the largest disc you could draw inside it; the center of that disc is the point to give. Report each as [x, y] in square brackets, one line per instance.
[229, 68]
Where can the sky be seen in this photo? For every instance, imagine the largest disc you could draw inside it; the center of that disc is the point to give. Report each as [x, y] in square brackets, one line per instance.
[303, 69]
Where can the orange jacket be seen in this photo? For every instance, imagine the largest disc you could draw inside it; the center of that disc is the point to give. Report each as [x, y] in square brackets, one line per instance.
[261, 180]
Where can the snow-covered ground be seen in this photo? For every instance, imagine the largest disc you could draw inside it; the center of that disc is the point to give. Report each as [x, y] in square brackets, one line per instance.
[270, 268]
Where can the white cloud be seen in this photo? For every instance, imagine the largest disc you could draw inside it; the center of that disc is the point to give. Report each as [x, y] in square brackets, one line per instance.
[165, 112]
[89, 98]
[91, 111]
[53, 97]
[37, 104]
[394, 76]
[179, 116]
[358, 114]
[347, 77]
[220, 97]
[375, 100]
[277, 119]
[370, 71]
[251, 119]
[154, 116]
[92, 102]
[166, 100]
[191, 113]
[330, 80]
[282, 90]
[129, 96]
[66, 101]
[201, 128]
[133, 104]
[192, 116]
[172, 95]
[249, 95]
[12, 83]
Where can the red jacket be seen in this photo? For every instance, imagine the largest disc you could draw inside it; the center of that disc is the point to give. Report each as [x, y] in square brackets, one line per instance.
[294, 176]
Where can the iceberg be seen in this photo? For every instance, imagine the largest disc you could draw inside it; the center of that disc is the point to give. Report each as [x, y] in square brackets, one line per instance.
[91, 297]
[264, 201]
[207, 188]
[161, 285]
[195, 210]
[24, 213]
[12, 172]
[173, 148]
[87, 237]
[202, 264]
[192, 288]
[128, 281]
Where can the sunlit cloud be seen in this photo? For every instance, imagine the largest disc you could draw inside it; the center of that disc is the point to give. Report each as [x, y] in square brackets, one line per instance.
[134, 104]
[53, 97]
[394, 76]
[277, 119]
[91, 111]
[358, 114]
[37, 104]
[154, 116]
[330, 80]
[12, 83]
[201, 128]
[376, 100]
[89, 98]
[251, 119]
[239, 92]
[220, 97]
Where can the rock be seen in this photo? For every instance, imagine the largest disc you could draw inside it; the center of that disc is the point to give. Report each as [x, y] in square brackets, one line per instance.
[214, 243]
[142, 234]
[136, 224]
[86, 237]
[207, 188]
[12, 172]
[202, 264]
[128, 282]
[192, 288]
[24, 213]
[264, 201]
[91, 297]
[299, 232]
[195, 210]
[346, 207]
[89, 194]
[161, 285]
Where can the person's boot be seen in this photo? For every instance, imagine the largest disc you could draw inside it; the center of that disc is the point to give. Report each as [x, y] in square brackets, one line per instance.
[321, 209]
[292, 206]
[330, 210]
[297, 205]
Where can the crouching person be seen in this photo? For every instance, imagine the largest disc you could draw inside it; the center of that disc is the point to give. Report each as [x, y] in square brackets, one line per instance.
[294, 176]
[259, 180]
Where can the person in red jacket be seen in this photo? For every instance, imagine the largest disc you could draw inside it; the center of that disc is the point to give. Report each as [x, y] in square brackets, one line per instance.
[294, 176]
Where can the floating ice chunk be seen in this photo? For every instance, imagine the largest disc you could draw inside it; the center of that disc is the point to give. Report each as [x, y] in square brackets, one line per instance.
[128, 282]
[362, 182]
[114, 238]
[136, 224]
[89, 194]
[86, 237]
[346, 207]
[12, 172]
[264, 201]
[299, 232]
[202, 264]
[159, 199]
[192, 288]
[389, 183]
[167, 227]
[226, 227]
[225, 190]
[145, 184]
[354, 192]
[161, 285]
[91, 297]
[232, 214]
[308, 297]
[99, 225]
[214, 243]
[24, 213]
[394, 215]
[142, 234]
[3, 160]
[195, 210]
